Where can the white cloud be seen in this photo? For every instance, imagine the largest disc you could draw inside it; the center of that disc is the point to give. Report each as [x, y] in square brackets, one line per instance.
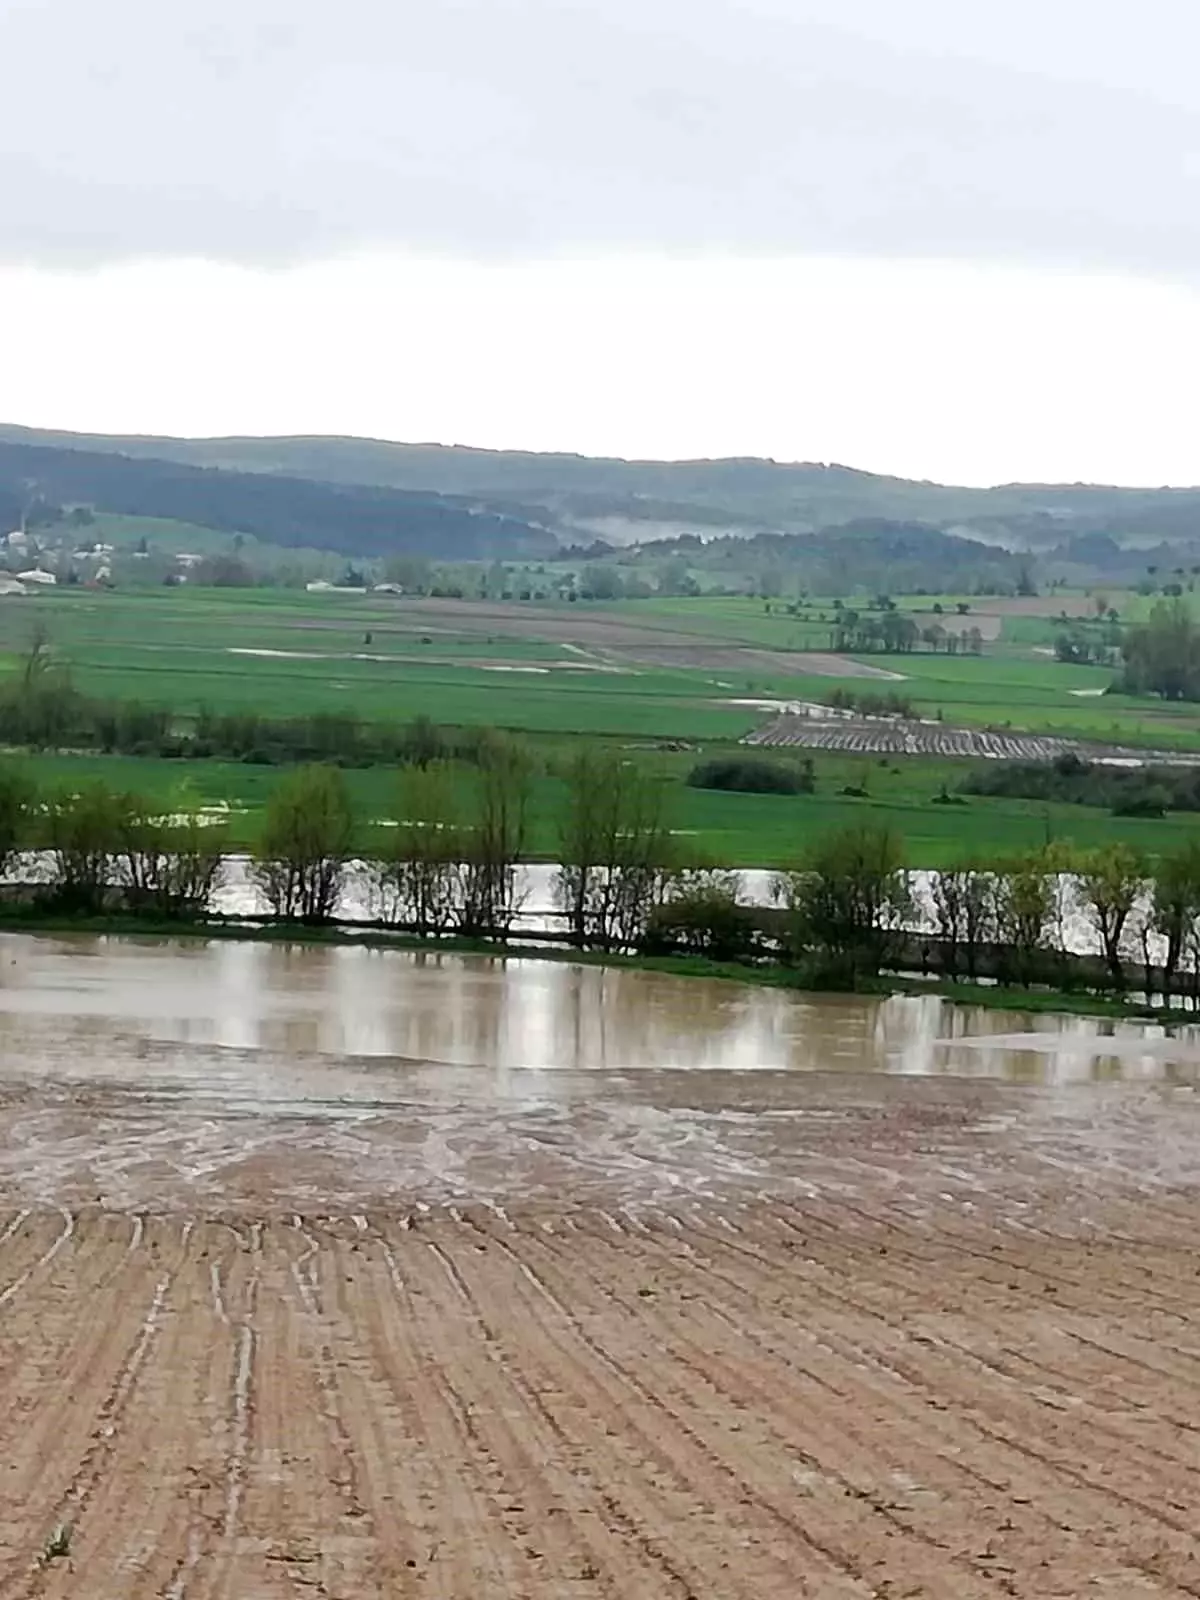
[962, 373]
[258, 130]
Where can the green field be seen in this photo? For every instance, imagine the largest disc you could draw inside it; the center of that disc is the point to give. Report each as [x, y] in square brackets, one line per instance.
[727, 829]
[285, 651]
[639, 675]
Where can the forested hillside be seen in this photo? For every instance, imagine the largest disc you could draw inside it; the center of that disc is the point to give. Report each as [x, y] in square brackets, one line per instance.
[624, 501]
[357, 519]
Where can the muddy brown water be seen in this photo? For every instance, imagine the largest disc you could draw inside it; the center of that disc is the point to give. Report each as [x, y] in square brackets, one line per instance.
[492, 1018]
[240, 1074]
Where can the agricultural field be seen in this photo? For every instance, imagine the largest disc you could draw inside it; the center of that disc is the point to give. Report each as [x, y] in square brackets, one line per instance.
[281, 1319]
[666, 682]
[628, 667]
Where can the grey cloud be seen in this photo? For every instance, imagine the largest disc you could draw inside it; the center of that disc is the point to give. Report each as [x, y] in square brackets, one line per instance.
[269, 130]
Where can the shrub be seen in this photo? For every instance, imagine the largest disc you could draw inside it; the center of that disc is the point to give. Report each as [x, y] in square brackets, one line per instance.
[703, 916]
[749, 775]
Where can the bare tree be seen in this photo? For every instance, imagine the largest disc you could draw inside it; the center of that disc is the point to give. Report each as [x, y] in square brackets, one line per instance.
[494, 840]
[169, 862]
[964, 907]
[1112, 882]
[420, 872]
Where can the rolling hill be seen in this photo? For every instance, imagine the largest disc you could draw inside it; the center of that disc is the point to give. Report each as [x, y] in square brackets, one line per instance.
[352, 519]
[626, 501]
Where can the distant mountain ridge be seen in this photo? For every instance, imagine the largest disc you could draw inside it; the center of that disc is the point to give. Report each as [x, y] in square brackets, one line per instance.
[624, 501]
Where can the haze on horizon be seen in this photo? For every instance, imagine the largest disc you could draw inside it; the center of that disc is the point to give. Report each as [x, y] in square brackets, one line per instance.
[916, 240]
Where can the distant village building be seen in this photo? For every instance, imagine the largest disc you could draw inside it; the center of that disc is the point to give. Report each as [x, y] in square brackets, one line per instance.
[9, 585]
[387, 588]
[36, 575]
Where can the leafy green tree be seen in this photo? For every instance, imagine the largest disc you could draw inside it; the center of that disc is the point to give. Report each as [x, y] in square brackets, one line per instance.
[1175, 915]
[17, 799]
[702, 914]
[494, 838]
[300, 859]
[600, 581]
[849, 902]
[423, 741]
[83, 831]
[1162, 655]
[1025, 911]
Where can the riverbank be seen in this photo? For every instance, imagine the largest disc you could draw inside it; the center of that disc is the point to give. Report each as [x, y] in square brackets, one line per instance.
[989, 995]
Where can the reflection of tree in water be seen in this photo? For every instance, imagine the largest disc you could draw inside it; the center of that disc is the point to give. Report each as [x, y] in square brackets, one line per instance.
[614, 1020]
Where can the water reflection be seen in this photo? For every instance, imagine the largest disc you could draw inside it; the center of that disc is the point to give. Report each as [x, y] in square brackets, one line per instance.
[526, 1016]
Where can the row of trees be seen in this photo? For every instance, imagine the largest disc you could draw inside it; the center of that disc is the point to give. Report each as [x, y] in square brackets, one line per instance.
[447, 860]
[855, 909]
[103, 846]
[1067, 779]
[896, 632]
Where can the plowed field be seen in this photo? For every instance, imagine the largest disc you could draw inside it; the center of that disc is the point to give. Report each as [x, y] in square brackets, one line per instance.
[844, 1395]
[277, 1323]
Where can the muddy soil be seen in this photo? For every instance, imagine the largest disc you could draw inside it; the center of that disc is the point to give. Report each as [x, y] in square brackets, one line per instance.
[283, 1321]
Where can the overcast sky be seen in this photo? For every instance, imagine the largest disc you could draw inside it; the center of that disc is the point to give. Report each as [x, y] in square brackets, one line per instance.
[924, 236]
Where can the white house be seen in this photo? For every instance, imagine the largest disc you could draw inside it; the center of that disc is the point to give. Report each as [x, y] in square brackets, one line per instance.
[36, 575]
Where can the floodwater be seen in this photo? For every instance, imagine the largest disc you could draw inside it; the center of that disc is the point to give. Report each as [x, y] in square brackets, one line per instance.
[93, 1006]
[237, 1076]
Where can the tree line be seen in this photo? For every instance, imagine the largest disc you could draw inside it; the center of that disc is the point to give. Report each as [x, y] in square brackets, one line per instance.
[898, 633]
[42, 708]
[446, 859]
[854, 909]
[1148, 791]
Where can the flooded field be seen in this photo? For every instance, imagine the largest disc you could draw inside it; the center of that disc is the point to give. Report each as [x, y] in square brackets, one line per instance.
[368, 1274]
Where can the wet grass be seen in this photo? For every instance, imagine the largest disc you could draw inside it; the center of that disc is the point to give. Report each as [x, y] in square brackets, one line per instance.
[742, 830]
